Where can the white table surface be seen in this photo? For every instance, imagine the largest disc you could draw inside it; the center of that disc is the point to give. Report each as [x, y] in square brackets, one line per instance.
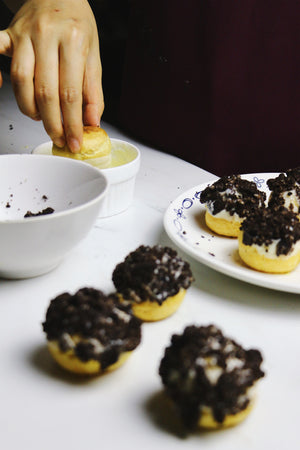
[43, 408]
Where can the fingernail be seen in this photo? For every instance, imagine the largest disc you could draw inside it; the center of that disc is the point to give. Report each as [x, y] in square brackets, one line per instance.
[60, 142]
[73, 145]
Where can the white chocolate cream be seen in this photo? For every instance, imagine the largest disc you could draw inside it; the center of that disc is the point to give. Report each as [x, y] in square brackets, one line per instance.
[222, 214]
[269, 251]
[291, 200]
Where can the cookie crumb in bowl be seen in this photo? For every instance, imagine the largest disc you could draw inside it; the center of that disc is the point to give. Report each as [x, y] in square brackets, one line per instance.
[44, 212]
[34, 245]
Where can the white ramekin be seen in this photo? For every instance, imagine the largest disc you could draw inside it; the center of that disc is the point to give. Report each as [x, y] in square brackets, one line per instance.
[121, 181]
[121, 178]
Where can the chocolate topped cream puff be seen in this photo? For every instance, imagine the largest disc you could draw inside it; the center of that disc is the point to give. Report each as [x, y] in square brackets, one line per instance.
[89, 332]
[285, 190]
[269, 240]
[228, 201]
[154, 280]
[209, 377]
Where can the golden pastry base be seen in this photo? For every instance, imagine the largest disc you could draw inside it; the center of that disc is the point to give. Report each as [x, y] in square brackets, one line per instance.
[208, 422]
[152, 311]
[223, 227]
[281, 264]
[69, 361]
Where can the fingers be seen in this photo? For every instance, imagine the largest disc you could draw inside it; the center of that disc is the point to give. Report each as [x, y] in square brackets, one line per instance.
[93, 102]
[72, 57]
[6, 46]
[22, 73]
[46, 90]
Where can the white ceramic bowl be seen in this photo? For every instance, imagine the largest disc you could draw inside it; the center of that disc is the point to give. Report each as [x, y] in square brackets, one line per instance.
[121, 177]
[35, 245]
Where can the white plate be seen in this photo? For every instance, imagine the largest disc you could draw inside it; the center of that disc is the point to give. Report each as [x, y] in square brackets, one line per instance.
[184, 223]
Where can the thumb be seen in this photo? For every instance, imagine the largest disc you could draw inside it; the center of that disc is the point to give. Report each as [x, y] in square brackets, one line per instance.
[6, 45]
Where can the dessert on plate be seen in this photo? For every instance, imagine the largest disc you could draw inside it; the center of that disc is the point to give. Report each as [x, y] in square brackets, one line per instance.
[285, 190]
[228, 201]
[269, 240]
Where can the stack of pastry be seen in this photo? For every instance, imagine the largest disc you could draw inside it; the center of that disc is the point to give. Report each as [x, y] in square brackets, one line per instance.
[268, 233]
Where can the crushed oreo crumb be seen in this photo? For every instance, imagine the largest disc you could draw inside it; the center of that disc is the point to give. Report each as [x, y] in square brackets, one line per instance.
[283, 185]
[105, 326]
[234, 195]
[265, 225]
[152, 273]
[44, 212]
[185, 373]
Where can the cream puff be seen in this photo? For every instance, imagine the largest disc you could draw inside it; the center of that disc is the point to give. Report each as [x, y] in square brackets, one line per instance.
[90, 333]
[228, 201]
[285, 190]
[154, 280]
[95, 149]
[209, 377]
[269, 240]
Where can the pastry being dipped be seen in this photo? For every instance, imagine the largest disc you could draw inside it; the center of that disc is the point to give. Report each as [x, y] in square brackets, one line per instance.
[95, 149]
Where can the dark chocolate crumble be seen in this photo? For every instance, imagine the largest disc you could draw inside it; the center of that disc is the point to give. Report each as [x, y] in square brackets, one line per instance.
[44, 212]
[284, 183]
[106, 326]
[152, 273]
[234, 195]
[184, 372]
[265, 225]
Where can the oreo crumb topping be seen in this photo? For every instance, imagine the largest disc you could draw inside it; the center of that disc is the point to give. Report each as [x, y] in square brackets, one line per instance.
[203, 368]
[105, 326]
[285, 184]
[234, 195]
[152, 273]
[44, 212]
[266, 225]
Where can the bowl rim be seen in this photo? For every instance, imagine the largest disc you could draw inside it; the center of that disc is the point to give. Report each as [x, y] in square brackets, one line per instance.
[63, 213]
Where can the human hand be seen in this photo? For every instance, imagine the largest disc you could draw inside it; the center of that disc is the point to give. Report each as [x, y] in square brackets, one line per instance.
[56, 68]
